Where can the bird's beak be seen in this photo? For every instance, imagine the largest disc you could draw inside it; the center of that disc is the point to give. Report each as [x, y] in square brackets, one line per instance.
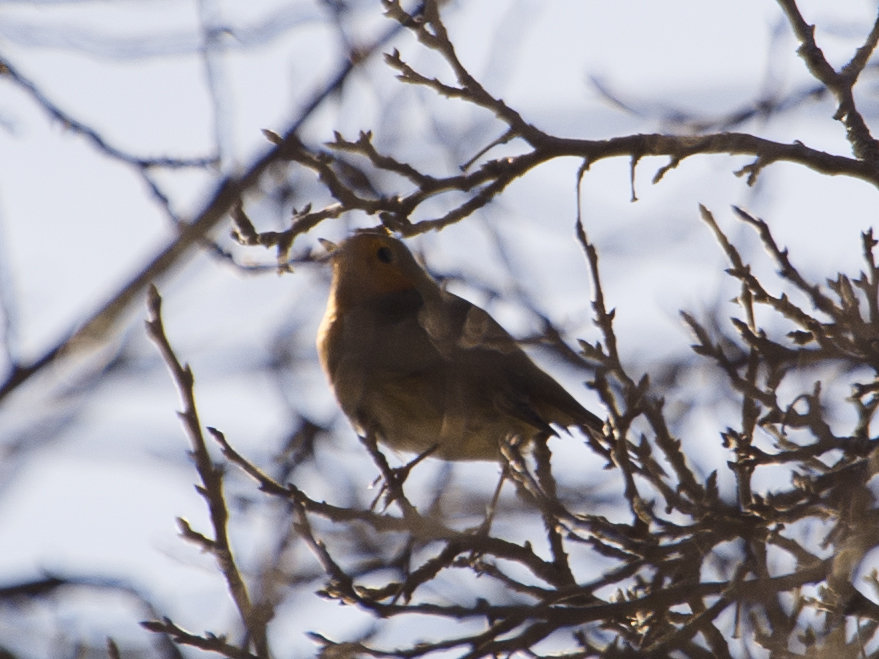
[330, 248]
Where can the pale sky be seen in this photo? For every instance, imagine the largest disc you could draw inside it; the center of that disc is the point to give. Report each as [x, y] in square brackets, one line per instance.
[102, 479]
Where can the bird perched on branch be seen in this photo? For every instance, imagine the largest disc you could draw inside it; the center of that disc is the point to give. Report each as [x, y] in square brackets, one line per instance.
[422, 368]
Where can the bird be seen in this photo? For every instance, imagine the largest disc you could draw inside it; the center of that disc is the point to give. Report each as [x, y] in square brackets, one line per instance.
[426, 370]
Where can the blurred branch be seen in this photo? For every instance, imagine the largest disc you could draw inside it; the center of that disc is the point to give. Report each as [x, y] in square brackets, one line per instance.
[91, 134]
[208, 642]
[21, 595]
[840, 84]
[212, 34]
[228, 193]
[254, 617]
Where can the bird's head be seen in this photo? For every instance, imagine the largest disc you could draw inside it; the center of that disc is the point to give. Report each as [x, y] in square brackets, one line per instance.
[371, 264]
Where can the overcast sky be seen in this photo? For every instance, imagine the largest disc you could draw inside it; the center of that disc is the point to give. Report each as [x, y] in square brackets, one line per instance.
[92, 484]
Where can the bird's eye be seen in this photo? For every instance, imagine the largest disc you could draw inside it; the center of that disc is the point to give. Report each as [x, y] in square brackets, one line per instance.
[384, 254]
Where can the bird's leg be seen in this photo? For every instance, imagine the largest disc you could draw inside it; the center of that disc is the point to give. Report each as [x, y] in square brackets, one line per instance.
[392, 488]
[550, 504]
[543, 468]
[514, 465]
[485, 527]
[402, 473]
[440, 485]
[540, 489]
[399, 476]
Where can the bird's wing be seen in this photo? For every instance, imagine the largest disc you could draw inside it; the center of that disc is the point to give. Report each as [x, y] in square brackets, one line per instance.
[453, 323]
[470, 336]
[557, 405]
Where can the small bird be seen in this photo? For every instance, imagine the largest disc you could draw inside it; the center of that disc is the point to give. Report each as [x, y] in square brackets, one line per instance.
[424, 369]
